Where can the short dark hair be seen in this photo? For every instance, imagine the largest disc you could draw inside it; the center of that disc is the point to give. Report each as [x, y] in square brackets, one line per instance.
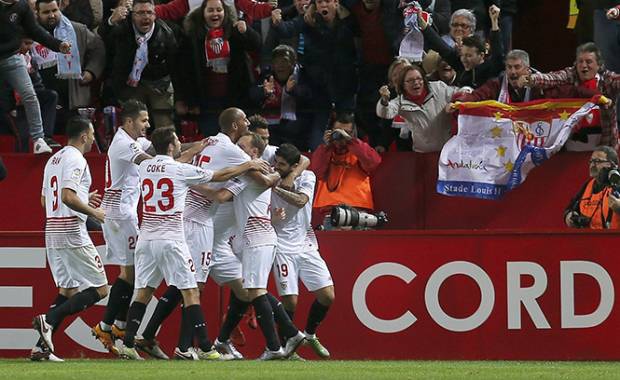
[286, 52]
[474, 42]
[345, 118]
[131, 109]
[289, 153]
[77, 125]
[161, 138]
[36, 4]
[610, 153]
[142, 1]
[257, 122]
[257, 142]
[590, 47]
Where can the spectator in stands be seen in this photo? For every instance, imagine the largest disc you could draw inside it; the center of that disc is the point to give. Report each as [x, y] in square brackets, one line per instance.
[215, 62]
[508, 89]
[472, 65]
[422, 105]
[329, 59]
[378, 24]
[297, 9]
[588, 72]
[143, 60]
[394, 130]
[479, 9]
[282, 92]
[71, 83]
[462, 24]
[48, 99]
[87, 12]
[343, 165]
[438, 68]
[17, 19]
[596, 206]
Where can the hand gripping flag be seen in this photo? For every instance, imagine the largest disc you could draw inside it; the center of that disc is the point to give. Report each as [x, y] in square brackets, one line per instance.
[498, 144]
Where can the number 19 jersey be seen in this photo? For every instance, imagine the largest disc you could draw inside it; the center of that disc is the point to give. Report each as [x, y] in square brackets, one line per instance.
[164, 184]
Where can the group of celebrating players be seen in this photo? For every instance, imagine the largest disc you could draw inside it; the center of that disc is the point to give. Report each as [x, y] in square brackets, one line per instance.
[229, 207]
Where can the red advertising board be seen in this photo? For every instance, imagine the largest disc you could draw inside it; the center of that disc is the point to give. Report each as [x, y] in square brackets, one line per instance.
[420, 295]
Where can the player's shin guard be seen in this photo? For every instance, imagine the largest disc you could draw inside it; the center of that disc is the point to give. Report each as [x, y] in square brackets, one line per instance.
[166, 305]
[264, 317]
[80, 301]
[196, 321]
[281, 317]
[236, 310]
[315, 316]
[134, 318]
[118, 303]
[60, 299]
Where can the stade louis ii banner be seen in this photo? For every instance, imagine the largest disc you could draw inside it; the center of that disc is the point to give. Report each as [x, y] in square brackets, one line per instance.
[498, 144]
[548, 295]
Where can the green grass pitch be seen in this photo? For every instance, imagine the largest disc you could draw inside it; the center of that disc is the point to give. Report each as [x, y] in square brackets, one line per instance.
[15, 369]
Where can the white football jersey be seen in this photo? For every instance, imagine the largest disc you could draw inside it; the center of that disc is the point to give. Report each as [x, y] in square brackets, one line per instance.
[65, 228]
[292, 230]
[220, 153]
[122, 189]
[164, 184]
[252, 204]
[269, 154]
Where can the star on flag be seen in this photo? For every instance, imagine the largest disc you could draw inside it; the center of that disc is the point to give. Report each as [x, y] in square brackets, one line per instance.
[496, 132]
[501, 151]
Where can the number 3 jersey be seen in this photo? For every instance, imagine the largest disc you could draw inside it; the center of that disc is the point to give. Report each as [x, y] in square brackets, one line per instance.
[164, 184]
[65, 228]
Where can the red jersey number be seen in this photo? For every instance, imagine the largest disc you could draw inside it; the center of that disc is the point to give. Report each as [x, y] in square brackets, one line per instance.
[167, 189]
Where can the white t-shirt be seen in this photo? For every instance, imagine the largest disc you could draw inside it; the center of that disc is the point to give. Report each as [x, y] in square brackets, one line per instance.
[122, 192]
[293, 229]
[252, 213]
[220, 153]
[65, 228]
[164, 184]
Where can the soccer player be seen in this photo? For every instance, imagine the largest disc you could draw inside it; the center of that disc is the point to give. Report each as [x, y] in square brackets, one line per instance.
[161, 251]
[128, 149]
[71, 255]
[297, 255]
[255, 241]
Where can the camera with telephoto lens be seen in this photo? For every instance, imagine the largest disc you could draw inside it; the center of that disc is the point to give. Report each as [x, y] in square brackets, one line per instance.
[344, 215]
[610, 177]
[580, 221]
[337, 135]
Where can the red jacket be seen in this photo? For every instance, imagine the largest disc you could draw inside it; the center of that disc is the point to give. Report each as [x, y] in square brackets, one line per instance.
[369, 159]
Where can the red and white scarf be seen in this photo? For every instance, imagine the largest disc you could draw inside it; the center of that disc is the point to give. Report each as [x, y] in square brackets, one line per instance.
[217, 50]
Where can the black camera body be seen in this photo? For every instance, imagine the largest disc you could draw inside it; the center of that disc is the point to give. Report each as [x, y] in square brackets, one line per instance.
[337, 135]
[580, 221]
[610, 177]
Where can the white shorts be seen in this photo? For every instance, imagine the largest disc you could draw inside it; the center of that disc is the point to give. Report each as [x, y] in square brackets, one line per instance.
[121, 236]
[223, 265]
[199, 238]
[256, 266]
[164, 259]
[76, 267]
[308, 266]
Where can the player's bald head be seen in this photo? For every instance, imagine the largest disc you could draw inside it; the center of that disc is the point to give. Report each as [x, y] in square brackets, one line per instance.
[228, 117]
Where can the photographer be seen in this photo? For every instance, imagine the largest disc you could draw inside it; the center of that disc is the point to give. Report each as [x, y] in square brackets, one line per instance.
[343, 165]
[596, 206]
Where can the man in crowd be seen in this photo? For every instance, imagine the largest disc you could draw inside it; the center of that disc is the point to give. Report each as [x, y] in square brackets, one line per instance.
[297, 255]
[70, 75]
[343, 164]
[142, 54]
[71, 255]
[597, 205]
[15, 19]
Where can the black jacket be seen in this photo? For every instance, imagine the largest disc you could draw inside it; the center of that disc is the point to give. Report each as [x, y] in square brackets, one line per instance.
[121, 50]
[16, 21]
[194, 64]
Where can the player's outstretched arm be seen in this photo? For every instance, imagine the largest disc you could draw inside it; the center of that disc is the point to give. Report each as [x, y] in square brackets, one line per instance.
[189, 150]
[266, 180]
[220, 195]
[298, 200]
[235, 171]
[71, 200]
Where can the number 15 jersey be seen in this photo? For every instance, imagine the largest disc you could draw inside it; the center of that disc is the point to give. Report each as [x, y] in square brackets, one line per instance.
[164, 184]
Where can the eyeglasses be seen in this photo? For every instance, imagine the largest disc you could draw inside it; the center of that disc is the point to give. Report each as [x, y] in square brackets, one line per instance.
[597, 161]
[413, 80]
[144, 13]
[460, 25]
